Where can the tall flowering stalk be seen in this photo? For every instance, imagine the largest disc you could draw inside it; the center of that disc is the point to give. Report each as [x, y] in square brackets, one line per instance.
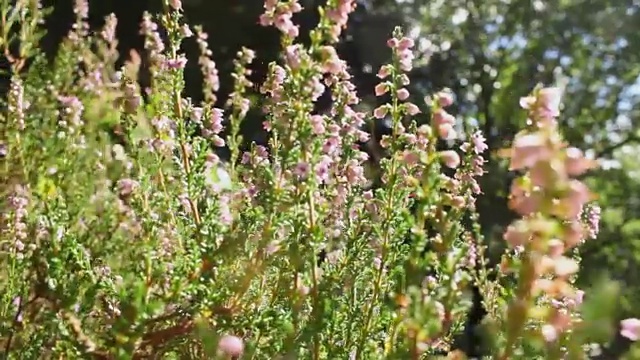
[550, 201]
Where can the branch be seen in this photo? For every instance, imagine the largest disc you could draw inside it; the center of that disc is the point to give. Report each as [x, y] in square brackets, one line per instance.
[608, 151]
[154, 339]
[86, 343]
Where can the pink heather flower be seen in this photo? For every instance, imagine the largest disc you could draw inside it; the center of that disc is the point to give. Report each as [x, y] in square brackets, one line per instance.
[479, 142]
[292, 55]
[630, 328]
[556, 247]
[527, 102]
[318, 88]
[185, 31]
[404, 80]
[385, 142]
[331, 62]
[226, 217]
[283, 23]
[549, 102]
[540, 174]
[575, 163]
[410, 139]
[577, 197]
[440, 310]
[73, 109]
[564, 266]
[127, 186]
[525, 204]
[244, 106]
[458, 201]
[446, 131]
[265, 20]
[405, 43]
[380, 112]
[385, 70]
[231, 345]
[549, 333]
[410, 158]
[317, 124]
[424, 131]
[574, 234]
[403, 48]
[578, 297]
[406, 60]
[16, 304]
[262, 152]
[450, 158]
[440, 116]
[212, 159]
[527, 150]
[175, 4]
[217, 141]
[412, 109]
[81, 9]
[593, 220]
[355, 172]
[444, 98]
[331, 145]
[302, 170]
[196, 114]
[175, 64]
[403, 94]
[338, 16]
[216, 120]
[108, 33]
[295, 7]
[322, 169]
[381, 89]
[517, 234]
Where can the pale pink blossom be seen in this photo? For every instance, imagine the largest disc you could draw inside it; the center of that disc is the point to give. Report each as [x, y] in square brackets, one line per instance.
[317, 124]
[381, 89]
[479, 142]
[444, 98]
[412, 109]
[450, 158]
[231, 345]
[302, 170]
[549, 333]
[446, 131]
[403, 94]
[527, 150]
[578, 195]
[380, 112]
[385, 71]
[574, 234]
[630, 329]
[556, 247]
[576, 163]
[564, 266]
[176, 4]
[517, 234]
[405, 43]
[440, 116]
[549, 102]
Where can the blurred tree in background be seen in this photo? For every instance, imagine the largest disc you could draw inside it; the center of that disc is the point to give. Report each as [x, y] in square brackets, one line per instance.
[490, 53]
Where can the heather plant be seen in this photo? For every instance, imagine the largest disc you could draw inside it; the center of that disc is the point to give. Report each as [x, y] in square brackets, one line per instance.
[125, 235]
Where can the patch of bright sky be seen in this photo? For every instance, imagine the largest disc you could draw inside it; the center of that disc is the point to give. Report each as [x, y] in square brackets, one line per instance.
[517, 42]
